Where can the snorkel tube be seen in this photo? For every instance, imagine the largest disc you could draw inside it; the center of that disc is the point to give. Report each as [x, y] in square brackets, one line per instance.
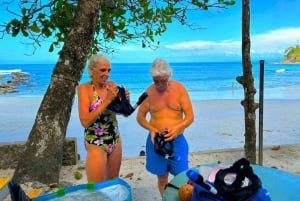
[140, 100]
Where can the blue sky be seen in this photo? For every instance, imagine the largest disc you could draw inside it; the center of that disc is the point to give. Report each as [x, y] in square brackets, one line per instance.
[275, 26]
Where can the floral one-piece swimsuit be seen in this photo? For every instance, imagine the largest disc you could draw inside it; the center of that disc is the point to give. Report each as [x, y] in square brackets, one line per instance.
[104, 131]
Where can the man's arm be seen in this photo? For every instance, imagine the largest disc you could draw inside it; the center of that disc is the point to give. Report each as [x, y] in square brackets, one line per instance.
[141, 118]
[187, 107]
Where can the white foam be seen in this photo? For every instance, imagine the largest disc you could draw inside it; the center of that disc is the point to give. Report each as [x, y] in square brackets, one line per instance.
[281, 70]
[5, 72]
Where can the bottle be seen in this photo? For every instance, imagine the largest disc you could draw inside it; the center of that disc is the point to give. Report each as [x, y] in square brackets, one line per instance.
[198, 179]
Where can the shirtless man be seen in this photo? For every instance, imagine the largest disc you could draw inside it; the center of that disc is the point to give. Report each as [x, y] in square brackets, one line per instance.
[170, 110]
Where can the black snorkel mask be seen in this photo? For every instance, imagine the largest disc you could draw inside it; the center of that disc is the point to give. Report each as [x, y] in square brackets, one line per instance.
[162, 147]
[121, 104]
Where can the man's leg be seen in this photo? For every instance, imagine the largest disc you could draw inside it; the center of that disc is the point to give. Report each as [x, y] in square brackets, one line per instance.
[162, 181]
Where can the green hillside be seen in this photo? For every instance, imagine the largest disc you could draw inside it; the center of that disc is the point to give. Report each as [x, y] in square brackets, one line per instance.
[292, 55]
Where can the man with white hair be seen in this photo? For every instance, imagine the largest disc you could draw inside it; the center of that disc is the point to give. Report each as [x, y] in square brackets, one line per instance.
[171, 111]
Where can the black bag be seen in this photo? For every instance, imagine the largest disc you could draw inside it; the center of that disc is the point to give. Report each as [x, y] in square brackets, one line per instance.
[16, 192]
[121, 104]
[235, 191]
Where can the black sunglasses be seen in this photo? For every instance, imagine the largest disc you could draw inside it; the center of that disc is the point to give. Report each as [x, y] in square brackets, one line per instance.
[103, 70]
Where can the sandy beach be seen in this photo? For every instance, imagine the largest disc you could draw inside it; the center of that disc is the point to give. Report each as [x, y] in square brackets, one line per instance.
[143, 184]
[217, 134]
[220, 121]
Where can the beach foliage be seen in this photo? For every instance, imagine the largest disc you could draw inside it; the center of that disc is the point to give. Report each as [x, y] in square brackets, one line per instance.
[119, 21]
[292, 54]
[292, 50]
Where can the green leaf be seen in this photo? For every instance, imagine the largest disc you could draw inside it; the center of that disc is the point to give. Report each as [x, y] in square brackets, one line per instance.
[24, 11]
[15, 31]
[121, 24]
[168, 20]
[46, 31]
[34, 28]
[51, 48]
[15, 22]
[24, 32]
[41, 16]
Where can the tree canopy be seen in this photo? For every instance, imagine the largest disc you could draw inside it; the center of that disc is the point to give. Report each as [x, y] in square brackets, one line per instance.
[119, 20]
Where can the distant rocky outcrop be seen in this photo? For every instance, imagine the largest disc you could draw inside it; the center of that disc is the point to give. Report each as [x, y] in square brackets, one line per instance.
[291, 59]
[16, 79]
[292, 55]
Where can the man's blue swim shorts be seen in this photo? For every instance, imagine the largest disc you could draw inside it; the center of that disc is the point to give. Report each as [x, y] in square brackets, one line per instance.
[159, 165]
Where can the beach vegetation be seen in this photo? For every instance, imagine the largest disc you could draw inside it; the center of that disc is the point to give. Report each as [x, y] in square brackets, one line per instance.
[292, 55]
[118, 21]
[78, 29]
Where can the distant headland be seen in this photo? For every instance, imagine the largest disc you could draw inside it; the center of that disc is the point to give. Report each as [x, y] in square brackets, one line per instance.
[292, 55]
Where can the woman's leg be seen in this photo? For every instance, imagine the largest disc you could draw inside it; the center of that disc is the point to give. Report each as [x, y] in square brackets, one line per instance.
[96, 161]
[114, 161]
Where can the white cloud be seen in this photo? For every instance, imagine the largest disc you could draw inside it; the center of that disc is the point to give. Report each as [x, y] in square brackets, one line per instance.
[201, 45]
[272, 42]
[269, 46]
[276, 41]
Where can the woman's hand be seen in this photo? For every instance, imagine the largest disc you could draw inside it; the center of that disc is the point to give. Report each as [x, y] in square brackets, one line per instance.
[112, 91]
[127, 94]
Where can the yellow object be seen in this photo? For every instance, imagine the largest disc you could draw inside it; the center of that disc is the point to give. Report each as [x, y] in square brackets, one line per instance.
[3, 181]
[185, 192]
[78, 175]
[4, 191]
[35, 193]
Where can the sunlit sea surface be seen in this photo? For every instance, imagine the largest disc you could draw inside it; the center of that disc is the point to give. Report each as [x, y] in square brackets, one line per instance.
[204, 81]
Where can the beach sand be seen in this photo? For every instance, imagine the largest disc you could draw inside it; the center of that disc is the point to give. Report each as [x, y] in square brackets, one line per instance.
[218, 124]
[217, 134]
[143, 184]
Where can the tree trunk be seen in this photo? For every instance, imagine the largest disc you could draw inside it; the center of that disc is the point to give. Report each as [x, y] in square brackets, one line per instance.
[247, 81]
[42, 157]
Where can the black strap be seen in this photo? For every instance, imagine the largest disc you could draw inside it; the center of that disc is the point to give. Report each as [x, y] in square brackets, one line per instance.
[236, 191]
[171, 186]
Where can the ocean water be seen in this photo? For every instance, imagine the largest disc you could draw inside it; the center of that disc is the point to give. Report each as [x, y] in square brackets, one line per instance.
[204, 81]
